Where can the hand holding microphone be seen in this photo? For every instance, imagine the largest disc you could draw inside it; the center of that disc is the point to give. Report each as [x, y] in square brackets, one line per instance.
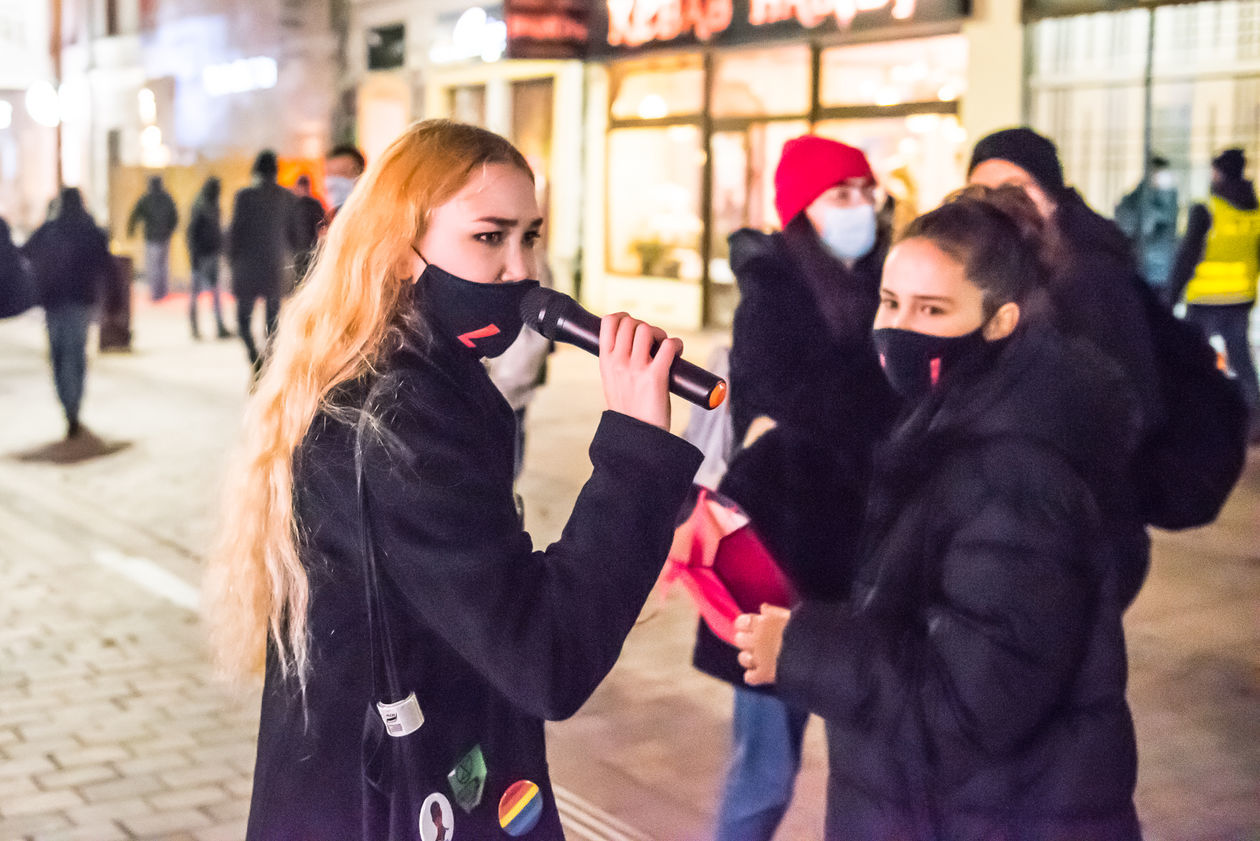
[631, 345]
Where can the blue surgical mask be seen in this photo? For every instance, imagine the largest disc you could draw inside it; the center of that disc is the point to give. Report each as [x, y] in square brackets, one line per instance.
[338, 189]
[849, 232]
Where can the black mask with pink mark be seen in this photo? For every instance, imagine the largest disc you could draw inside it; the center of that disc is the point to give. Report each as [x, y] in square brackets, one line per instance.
[484, 317]
[915, 363]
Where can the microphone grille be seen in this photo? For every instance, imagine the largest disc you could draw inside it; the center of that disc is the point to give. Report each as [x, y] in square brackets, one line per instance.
[542, 309]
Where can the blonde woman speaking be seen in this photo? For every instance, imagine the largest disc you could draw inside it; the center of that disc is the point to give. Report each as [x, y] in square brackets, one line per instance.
[373, 565]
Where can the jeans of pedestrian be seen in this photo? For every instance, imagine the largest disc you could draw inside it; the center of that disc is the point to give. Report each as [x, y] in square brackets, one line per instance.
[1230, 322]
[206, 276]
[67, 347]
[157, 268]
[245, 315]
[765, 758]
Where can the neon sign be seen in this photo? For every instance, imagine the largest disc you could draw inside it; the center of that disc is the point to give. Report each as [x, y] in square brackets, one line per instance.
[632, 23]
[811, 13]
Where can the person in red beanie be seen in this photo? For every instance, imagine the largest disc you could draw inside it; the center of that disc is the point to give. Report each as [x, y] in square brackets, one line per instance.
[802, 365]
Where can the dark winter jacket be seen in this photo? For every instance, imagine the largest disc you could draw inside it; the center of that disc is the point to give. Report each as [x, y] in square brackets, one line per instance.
[802, 334]
[801, 353]
[495, 637]
[974, 682]
[1095, 289]
[205, 229]
[258, 239]
[1148, 217]
[1238, 192]
[305, 223]
[70, 259]
[157, 213]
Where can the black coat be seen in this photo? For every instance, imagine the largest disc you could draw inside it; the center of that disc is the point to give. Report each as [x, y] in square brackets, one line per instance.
[70, 260]
[801, 353]
[1095, 288]
[205, 230]
[801, 340]
[258, 239]
[496, 637]
[974, 682]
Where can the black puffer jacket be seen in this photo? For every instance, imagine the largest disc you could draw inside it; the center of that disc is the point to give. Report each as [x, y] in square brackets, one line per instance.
[974, 682]
[801, 353]
[492, 636]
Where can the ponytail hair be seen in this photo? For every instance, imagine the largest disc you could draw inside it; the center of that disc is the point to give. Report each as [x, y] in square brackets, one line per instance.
[997, 235]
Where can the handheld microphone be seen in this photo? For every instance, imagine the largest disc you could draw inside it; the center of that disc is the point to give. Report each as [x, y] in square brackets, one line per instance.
[562, 319]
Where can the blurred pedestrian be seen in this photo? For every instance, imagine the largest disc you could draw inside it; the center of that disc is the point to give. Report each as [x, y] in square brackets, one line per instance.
[205, 249]
[801, 361]
[373, 562]
[1148, 217]
[17, 286]
[305, 226]
[1217, 265]
[258, 250]
[973, 680]
[156, 213]
[70, 258]
[342, 168]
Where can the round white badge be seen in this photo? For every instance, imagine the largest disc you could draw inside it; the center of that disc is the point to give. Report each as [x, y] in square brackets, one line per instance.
[437, 820]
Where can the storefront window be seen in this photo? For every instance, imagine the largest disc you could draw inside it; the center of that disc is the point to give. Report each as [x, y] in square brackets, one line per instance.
[467, 104]
[744, 161]
[918, 160]
[895, 72]
[762, 82]
[654, 182]
[654, 90]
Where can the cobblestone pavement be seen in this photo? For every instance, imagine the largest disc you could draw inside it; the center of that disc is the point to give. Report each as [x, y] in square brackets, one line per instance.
[111, 727]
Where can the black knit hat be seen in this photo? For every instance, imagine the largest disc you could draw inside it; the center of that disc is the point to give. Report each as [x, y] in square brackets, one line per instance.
[1028, 150]
[1230, 163]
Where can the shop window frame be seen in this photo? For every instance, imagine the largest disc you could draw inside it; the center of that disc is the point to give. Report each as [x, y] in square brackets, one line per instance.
[709, 125]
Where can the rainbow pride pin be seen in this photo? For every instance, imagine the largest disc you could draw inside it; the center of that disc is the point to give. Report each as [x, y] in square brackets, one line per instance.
[520, 808]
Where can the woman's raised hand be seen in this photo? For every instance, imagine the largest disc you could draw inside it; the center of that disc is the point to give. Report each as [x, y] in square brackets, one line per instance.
[636, 383]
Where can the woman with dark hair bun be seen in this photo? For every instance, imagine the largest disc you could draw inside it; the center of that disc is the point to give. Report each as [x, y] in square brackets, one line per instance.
[973, 681]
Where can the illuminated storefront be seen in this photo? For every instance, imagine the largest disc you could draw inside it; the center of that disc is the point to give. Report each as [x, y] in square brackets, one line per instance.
[1089, 84]
[451, 59]
[689, 109]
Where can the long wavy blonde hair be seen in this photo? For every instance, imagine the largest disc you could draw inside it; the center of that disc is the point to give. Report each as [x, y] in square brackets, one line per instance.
[333, 330]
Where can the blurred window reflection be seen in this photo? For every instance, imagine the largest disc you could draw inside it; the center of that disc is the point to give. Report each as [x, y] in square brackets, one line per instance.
[660, 88]
[654, 182]
[895, 72]
[755, 83]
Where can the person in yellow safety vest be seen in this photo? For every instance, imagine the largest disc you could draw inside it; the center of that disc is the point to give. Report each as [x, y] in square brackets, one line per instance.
[1217, 266]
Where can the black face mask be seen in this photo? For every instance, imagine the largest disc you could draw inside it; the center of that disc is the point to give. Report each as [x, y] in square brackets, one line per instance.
[915, 362]
[485, 317]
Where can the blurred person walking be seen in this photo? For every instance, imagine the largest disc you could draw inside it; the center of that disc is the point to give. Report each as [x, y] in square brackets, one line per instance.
[305, 226]
[17, 286]
[205, 249]
[156, 212]
[69, 258]
[1216, 269]
[801, 361]
[258, 237]
[1148, 217]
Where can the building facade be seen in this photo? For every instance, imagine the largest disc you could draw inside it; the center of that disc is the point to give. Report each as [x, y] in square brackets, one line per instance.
[1091, 72]
[188, 89]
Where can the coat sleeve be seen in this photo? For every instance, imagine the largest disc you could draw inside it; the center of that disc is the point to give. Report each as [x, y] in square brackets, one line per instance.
[989, 655]
[1190, 251]
[544, 627]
